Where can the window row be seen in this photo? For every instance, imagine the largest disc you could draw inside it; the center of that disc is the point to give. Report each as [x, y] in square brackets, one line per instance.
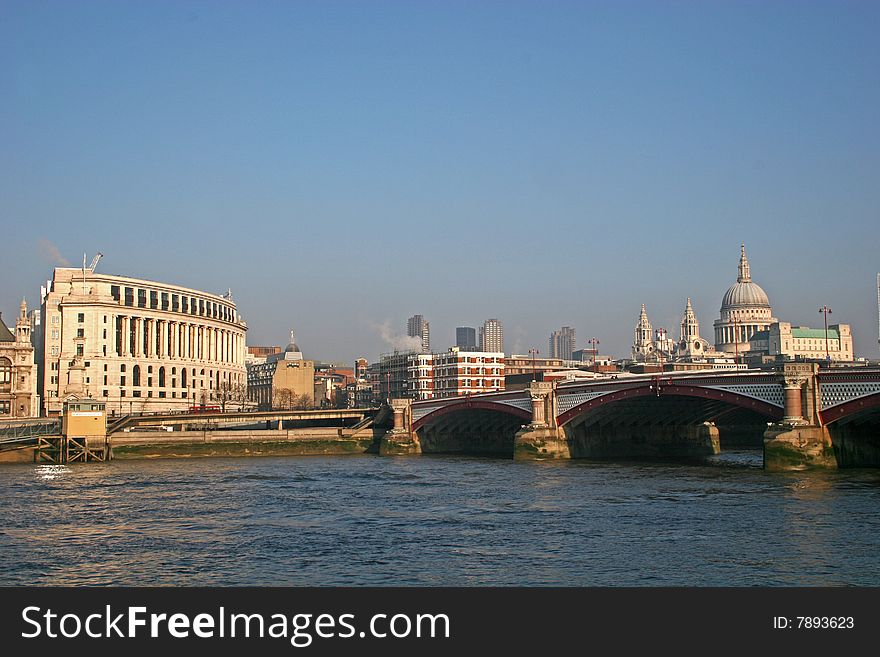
[174, 302]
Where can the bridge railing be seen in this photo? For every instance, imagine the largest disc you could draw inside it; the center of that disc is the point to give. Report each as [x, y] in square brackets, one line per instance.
[13, 436]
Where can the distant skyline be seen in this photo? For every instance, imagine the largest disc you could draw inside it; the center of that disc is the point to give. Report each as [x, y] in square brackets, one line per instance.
[342, 166]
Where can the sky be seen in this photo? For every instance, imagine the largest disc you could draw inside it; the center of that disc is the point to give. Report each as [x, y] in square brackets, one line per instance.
[341, 166]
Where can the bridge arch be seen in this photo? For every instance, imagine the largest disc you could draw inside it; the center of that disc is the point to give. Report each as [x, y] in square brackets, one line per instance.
[844, 411]
[471, 404]
[650, 389]
[854, 429]
[471, 427]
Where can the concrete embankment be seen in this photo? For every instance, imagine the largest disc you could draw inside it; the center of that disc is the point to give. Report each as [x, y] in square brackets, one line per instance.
[258, 442]
[277, 442]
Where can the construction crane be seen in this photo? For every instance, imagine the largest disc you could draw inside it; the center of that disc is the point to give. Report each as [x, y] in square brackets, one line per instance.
[95, 261]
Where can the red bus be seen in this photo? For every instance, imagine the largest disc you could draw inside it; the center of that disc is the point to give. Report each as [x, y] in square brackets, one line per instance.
[204, 409]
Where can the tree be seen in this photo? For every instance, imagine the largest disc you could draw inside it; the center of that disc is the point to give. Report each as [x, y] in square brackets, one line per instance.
[231, 393]
[302, 402]
[282, 398]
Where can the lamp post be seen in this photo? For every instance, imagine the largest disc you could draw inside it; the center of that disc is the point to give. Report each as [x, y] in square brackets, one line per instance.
[825, 310]
[594, 342]
[533, 353]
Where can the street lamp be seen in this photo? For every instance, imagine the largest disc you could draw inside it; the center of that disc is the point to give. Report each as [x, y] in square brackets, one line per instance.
[825, 310]
[533, 353]
[594, 342]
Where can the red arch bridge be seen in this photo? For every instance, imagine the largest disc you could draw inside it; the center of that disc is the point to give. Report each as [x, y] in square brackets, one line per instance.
[804, 416]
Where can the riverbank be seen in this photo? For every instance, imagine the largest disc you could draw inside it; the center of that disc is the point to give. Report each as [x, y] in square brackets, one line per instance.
[320, 441]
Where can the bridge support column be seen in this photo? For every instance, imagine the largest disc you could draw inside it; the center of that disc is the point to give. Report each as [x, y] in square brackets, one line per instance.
[401, 440]
[542, 438]
[793, 447]
[798, 442]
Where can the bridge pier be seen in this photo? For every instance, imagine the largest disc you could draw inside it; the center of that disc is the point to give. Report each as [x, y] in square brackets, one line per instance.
[542, 438]
[799, 442]
[401, 440]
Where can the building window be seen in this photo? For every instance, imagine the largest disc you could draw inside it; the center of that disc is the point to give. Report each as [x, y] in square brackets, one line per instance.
[79, 350]
[80, 333]
[81, 317]
[114, 292]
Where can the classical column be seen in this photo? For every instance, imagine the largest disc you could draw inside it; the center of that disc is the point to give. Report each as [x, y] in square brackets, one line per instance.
[123, 336]
[163, 341]
[793, 411]
[539, 407]
[185, 340]
[136, 333]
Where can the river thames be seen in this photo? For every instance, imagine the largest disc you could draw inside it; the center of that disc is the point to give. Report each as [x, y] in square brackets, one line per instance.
[437, 520]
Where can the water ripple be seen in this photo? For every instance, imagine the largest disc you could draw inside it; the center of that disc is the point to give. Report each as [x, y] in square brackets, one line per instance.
[436, 521]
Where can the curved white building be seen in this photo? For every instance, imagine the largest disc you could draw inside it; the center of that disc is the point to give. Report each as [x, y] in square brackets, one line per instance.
[138, 345]
[745, 310]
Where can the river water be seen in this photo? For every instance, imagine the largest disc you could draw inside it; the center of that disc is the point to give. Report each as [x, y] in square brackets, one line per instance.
[436, 520]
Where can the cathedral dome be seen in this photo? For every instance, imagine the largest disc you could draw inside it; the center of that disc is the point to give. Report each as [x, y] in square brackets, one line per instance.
[744, 293]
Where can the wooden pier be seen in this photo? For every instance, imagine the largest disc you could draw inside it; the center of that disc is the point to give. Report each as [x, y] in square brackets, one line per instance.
[72, 449]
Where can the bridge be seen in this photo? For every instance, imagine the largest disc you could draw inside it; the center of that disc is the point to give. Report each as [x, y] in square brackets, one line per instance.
[269, 419]
[42, 439]
[803, 415]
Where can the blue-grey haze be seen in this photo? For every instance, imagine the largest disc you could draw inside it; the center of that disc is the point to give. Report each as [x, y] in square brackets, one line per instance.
[344, 164]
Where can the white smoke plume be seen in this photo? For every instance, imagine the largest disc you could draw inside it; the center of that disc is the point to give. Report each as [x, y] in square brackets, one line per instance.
[50, 253]
[396, 341]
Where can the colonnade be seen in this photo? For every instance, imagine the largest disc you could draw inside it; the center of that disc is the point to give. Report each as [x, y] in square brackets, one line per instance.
[741, 333]
[147, 337]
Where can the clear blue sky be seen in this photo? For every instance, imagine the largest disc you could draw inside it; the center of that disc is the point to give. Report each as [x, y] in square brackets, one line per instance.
[340, 165]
